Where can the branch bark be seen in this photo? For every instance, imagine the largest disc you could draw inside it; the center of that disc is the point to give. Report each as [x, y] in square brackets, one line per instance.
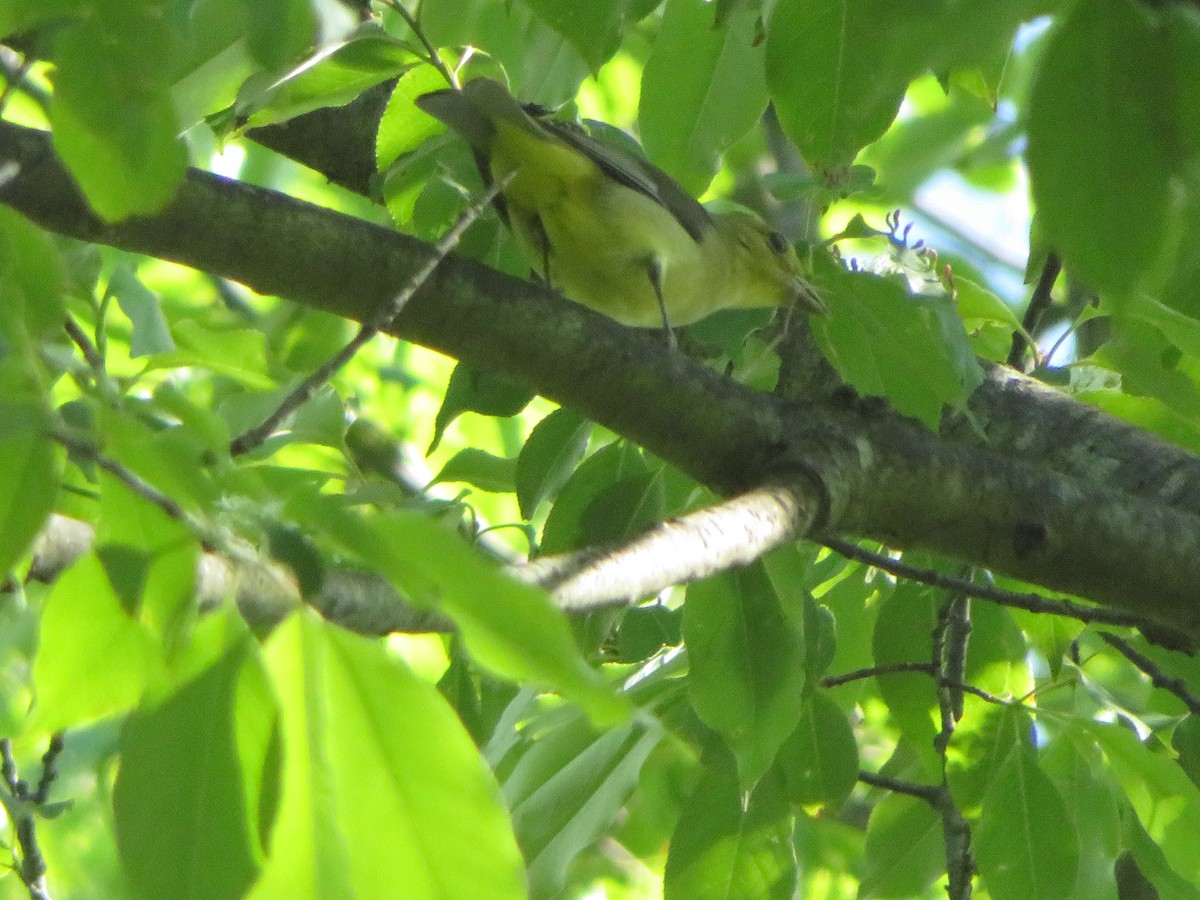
[1110, 513]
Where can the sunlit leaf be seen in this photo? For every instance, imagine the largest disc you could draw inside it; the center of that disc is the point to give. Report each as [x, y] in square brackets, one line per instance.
[381, 784]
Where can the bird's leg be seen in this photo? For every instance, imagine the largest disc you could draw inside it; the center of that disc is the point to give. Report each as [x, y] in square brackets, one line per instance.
[541, 241]
[655, 272]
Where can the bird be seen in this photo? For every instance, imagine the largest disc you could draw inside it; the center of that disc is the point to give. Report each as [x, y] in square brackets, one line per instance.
[609, 229]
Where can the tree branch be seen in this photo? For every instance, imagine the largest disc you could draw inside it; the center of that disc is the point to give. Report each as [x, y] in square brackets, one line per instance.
[884, 476]
[702, 543]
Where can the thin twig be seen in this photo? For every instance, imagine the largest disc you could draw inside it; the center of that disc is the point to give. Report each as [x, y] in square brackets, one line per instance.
[218, 540]
[1039, 302]
[131, 480]
[1158, 677]
[930, 793]
[89, 350]
[8, 768]
[1027, 601]
[254, 437]
[22, 806]
[873, 671]
[49, 768]
[434, 59]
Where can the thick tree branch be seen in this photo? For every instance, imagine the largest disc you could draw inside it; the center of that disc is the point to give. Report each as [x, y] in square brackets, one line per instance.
[879, 475]
[702, 543]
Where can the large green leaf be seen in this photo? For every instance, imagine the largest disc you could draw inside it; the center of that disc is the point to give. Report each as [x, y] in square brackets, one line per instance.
[150, 559]
[902, 635]
[181, 798]
[593, 27]
[510, 628]
[836, 75]
[382, 786]
[1092, 802]
[113, 118]
[565, 791]
[471, 390]
[702, 89]
[747, 664]
[542, 64]
[819, 760]
[1025, 844]
[905, 852]
[279, 30]
[29, 474]
[984, 738]
[614, 495]
[1102, 142]
[839, 71]
[93, 657]
[730, 845]
[1165, 800]
[912, 350]
[549, 457]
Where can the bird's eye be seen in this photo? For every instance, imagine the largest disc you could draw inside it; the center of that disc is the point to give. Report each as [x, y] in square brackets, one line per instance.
[778, 242]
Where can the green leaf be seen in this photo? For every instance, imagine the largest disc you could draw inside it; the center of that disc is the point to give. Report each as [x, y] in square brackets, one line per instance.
[1025, 844]
[702, 89]
[612, 496]
[1097, 119]
[214, 63]
[911, 350]
[151, 333]
[789, 568]
[902, 635]
[472, 390]
[365, 60]
[644, 630]
[819, 760]
[279, 30]
[730, 846]
[29, 473]
[510, 628]
[905, 853]
[93, 658]
[404, 127]
[593, 27]
[542, 64]
[126, 155]
[1185, 741]
[555, 446]
[747, 668]
[1165, 800]
[31, 271]
[977, 303]
[835, 75]
[21, 15]
[180, 798]
[1092, 801]
[839, 71]
[150, 559]
[382, 787]
[1152, 864]
[497, 474]
[565, 791]
[239, 353]
[981, 744]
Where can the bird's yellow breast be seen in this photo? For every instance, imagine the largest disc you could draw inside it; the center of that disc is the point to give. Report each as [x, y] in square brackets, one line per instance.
[597, 238]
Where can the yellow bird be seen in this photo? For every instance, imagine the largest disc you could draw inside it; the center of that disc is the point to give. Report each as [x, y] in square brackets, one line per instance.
[609, 229]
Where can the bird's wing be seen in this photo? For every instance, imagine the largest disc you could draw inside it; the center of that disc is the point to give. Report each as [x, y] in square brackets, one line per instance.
[636, 172]
[472, 113]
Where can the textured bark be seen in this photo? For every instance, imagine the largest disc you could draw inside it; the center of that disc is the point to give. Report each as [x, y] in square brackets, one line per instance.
[1049, 491]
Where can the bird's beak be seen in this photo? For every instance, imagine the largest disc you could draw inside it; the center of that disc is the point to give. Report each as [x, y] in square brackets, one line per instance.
[804, 296]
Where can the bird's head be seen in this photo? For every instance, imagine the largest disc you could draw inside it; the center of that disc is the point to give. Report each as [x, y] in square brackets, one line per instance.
[767, 266]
